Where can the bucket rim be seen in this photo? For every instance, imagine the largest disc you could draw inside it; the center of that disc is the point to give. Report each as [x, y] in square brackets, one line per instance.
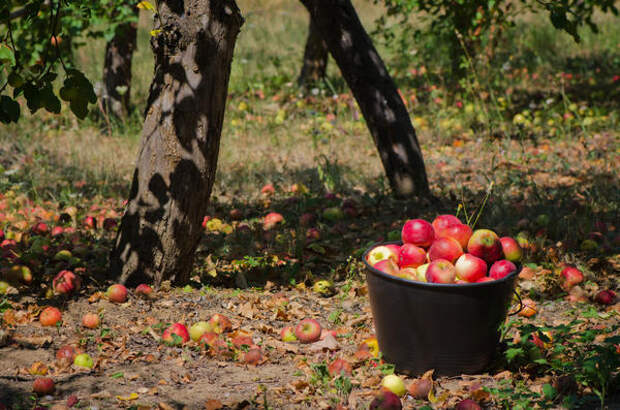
[410, 282]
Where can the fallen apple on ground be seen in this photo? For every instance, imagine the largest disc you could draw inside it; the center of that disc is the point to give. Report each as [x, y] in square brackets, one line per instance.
[288, 334]
[43, 386]
[84, 360]
[175, 334]
[394, 384]
[91, 320]
[50, 316]
[117, 293]
[198, 329]
[308, 331]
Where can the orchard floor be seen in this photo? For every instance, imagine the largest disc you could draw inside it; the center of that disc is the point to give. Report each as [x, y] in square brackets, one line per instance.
[559, 193]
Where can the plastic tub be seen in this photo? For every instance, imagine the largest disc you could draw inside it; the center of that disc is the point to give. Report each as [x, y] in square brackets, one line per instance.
[451, 328]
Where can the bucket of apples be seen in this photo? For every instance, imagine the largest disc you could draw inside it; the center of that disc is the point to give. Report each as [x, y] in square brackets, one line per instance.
[439, 296]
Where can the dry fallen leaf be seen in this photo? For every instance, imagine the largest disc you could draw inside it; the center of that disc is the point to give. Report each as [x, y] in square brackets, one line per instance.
[328, 343]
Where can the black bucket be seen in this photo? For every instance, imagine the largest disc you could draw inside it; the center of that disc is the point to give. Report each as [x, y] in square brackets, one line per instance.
[451, 328]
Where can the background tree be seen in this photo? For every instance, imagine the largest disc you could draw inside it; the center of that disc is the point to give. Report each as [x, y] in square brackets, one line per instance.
[459, 28]
[315, 57]
[365, 73]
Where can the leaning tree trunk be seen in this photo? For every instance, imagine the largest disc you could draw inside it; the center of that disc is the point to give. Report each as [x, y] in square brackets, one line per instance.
[172, 182]
[385, 113]
[315, 57]
[117, 70]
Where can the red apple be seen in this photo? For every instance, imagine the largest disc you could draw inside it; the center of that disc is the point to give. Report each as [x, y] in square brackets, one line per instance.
[379, 253]
[253, 356]
[66, 282]
[288, 334]
[444, 221]
[308, 331]
[220, 323]
[268, 189]
[418, 232]
[208, 339]
[50, 316]
[445, 248]
[485, 279]
[91, 320]
[511, 249]
[57, 230]
[460, 232]
[339, 367]
[240, 341]
[470, 268]
[387, 266]
[43, 386]
[385, 400]
[572, 276]
[467, 404]
[117, 293]
[485, 244]
[271, 220]
[501, 269]
[144, 290]
[40, 228]
[176, 329]
[66, 354]
[440, 271]
[605, 297]
[90, 222]
[411, 256]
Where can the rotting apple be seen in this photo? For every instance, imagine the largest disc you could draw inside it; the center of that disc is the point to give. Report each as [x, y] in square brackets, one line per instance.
[220, 323]
[339, 367]
[66, 282]
[386, 400]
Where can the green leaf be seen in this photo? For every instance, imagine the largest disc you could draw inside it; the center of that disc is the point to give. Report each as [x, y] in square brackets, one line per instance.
[6, 55]
[9, 109]
[548, 391]
[513, 353]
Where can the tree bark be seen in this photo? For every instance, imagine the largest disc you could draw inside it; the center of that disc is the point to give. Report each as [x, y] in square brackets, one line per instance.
[376, 93]
[176, 165]
[117, 70]
[315, 57]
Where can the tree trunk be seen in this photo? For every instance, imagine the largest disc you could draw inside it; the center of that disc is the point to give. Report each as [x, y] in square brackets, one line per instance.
[385, 113]
[315, 57]
[117, 70]
[176, 165]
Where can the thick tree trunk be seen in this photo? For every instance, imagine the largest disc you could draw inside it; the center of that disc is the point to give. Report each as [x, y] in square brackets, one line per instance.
[315, 57]
[161, 227]
[117, 70]
[385, 113]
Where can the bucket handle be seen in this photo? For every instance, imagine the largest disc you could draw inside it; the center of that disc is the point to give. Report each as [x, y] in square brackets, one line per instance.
[521, 305]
